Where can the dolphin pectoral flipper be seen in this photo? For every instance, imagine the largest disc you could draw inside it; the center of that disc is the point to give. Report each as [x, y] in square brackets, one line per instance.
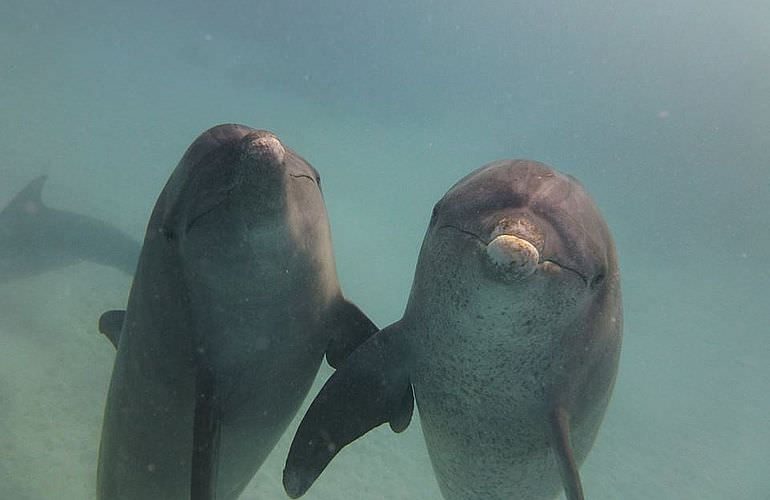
[349, 328]
[206, 427]
[111, 323]
[372, 387]
[562, 448]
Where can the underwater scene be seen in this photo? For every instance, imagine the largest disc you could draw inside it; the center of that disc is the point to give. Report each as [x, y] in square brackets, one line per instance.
[243, 242]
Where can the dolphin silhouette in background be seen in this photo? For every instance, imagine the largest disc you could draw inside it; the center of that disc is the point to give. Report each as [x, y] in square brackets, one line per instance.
[35, 239]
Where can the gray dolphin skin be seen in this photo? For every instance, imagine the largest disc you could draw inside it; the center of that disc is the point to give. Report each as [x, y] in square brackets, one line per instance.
[234, 303]
[35, 239]
[510, 341]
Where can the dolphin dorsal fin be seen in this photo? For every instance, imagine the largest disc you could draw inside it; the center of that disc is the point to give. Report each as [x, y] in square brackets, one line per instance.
[565, 459]
[29, 200]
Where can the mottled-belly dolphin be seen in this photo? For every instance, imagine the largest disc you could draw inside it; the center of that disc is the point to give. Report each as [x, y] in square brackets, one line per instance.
[234, 303]
[510, 341]
[35, 238]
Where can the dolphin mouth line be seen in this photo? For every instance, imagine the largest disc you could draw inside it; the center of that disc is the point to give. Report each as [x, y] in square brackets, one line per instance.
[202, 214]
[298, 176]
[227, 194]
[540, 262]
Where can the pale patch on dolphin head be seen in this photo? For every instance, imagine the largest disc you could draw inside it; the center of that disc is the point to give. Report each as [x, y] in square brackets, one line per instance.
[514, 258]
[520, 227]
[514, 248]
[264, 148]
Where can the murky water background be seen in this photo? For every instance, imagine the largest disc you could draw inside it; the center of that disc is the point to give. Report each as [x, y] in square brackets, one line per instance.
[662, 110]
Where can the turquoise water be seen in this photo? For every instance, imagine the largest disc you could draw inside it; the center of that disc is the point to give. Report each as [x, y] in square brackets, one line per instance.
[662, 111]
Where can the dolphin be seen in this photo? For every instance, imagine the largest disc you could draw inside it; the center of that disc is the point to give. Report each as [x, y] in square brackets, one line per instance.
[509, 343]
[35, 239]
[234, 303]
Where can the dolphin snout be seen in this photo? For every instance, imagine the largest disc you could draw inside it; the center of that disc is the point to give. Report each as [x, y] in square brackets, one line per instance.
[515, 257]
[264, 148]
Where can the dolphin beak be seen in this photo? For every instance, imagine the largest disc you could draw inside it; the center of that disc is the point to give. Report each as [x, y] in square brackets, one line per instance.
[514, 257]
[264, 149]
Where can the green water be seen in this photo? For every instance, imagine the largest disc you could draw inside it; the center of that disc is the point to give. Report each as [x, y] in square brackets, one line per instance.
[662, 111]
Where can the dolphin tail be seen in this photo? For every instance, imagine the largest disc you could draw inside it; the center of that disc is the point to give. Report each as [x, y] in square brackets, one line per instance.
[372, 387]
[562, 448]
[349, 328]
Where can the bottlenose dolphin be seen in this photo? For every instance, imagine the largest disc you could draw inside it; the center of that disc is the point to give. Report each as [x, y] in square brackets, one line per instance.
[35, 238]
[234, 303]
[510, 341]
